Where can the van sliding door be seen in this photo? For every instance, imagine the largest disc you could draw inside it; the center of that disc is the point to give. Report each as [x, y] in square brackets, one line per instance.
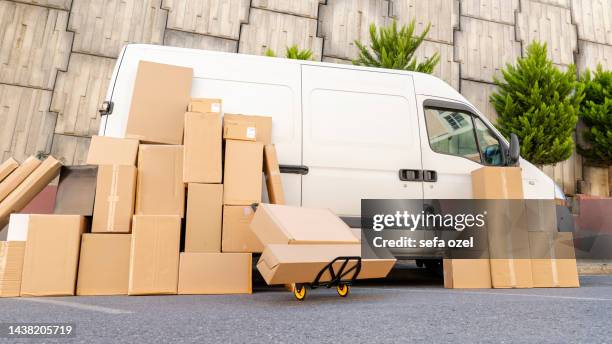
[360, 128]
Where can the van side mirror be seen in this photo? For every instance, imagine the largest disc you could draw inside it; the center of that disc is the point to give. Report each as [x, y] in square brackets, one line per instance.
[514, 151]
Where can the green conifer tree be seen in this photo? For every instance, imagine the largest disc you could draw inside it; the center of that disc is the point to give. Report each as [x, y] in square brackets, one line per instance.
[596, 114]
[540, 104]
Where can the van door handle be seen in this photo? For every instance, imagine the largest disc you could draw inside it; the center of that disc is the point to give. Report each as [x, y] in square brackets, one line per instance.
[294, 169]
[410, 175]
[430, 176]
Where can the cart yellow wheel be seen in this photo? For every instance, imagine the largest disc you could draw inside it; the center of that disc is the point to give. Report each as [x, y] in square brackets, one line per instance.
[299, 291]
[343, 289]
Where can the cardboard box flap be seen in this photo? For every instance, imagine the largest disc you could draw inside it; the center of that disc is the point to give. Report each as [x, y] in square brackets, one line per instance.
[282, 224]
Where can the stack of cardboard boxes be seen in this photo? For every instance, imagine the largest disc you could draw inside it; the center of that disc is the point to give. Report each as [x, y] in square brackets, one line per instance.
[517, 230]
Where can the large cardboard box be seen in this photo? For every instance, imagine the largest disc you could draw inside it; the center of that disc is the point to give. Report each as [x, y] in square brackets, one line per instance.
[154, 255]
[553, 262]
[51, 255]
[11, 267]
[114, 205]
[76, 190]
[205, 105]
[263, 125]
[7, 167]
[497, 183]
[19, 175]
[467, 273]
[204, 211]
[161, 95]
[202, 153]
[243, 172]
[274, 183]
[215, 273]
[160, 189]
[283, 224]
[285, 264]
[105, 150]
[237, 233]
[104, 264]
[29, 188]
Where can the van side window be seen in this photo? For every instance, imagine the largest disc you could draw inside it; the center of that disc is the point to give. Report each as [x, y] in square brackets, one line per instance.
[451, 132]
[489, 145]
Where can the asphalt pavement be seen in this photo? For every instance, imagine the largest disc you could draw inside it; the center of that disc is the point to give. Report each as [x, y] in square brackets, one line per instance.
[410, 307]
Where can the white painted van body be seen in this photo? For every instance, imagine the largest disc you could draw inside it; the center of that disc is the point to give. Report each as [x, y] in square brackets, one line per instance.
[353, 127]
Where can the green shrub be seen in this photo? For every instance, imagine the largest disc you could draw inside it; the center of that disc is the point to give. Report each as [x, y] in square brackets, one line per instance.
[596, 114]
[292, 52]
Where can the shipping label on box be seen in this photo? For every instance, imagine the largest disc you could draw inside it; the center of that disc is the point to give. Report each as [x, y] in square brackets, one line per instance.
[104, 264]
[160, 189]
[202, 153]
[154, 255]
[114, 205]
[237, 233]
[51, 255]
[243, 172]
[204, 212]
[215, 273]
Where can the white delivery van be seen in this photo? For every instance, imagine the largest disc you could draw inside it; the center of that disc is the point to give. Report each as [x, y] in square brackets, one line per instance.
[343, 133]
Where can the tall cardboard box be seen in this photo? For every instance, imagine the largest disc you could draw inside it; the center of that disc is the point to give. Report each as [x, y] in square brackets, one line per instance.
[76, 190]
[105, 150]
[274, 183]
[263, 125]
[553, 262]
[160, 189]
[215, 273]
[506, 225]
[204, 105]
[243, 172]
[204, 211]
[154, 255]
[283, 224]
[29, 188]
[52, 255]
[104, 264]
[237, 233]
[202, 148]
[11, 182]
[11, 267]
[467, 273]
[285, 264]
[7, 167]
[114, 202]
[161, 95]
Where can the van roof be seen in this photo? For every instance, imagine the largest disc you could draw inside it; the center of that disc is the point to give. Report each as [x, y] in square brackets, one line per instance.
[424, 84]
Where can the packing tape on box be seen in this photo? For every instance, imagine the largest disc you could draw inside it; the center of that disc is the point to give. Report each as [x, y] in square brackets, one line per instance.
[112, 199]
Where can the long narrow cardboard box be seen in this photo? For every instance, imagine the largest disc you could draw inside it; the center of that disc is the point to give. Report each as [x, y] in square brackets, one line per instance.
[29, 188]
[160, 189]
[283, 224]
[274, 183]
[19, 175]
[11, 267]
[161, 95]
[237, 233]
[104, 264]
[7, 167]
[203, 222]
[553, 260]
[243, 172]
[154, 255]
[114, 202]
[285, 264]
[51, 255]
[215, 273]
[202, 153]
